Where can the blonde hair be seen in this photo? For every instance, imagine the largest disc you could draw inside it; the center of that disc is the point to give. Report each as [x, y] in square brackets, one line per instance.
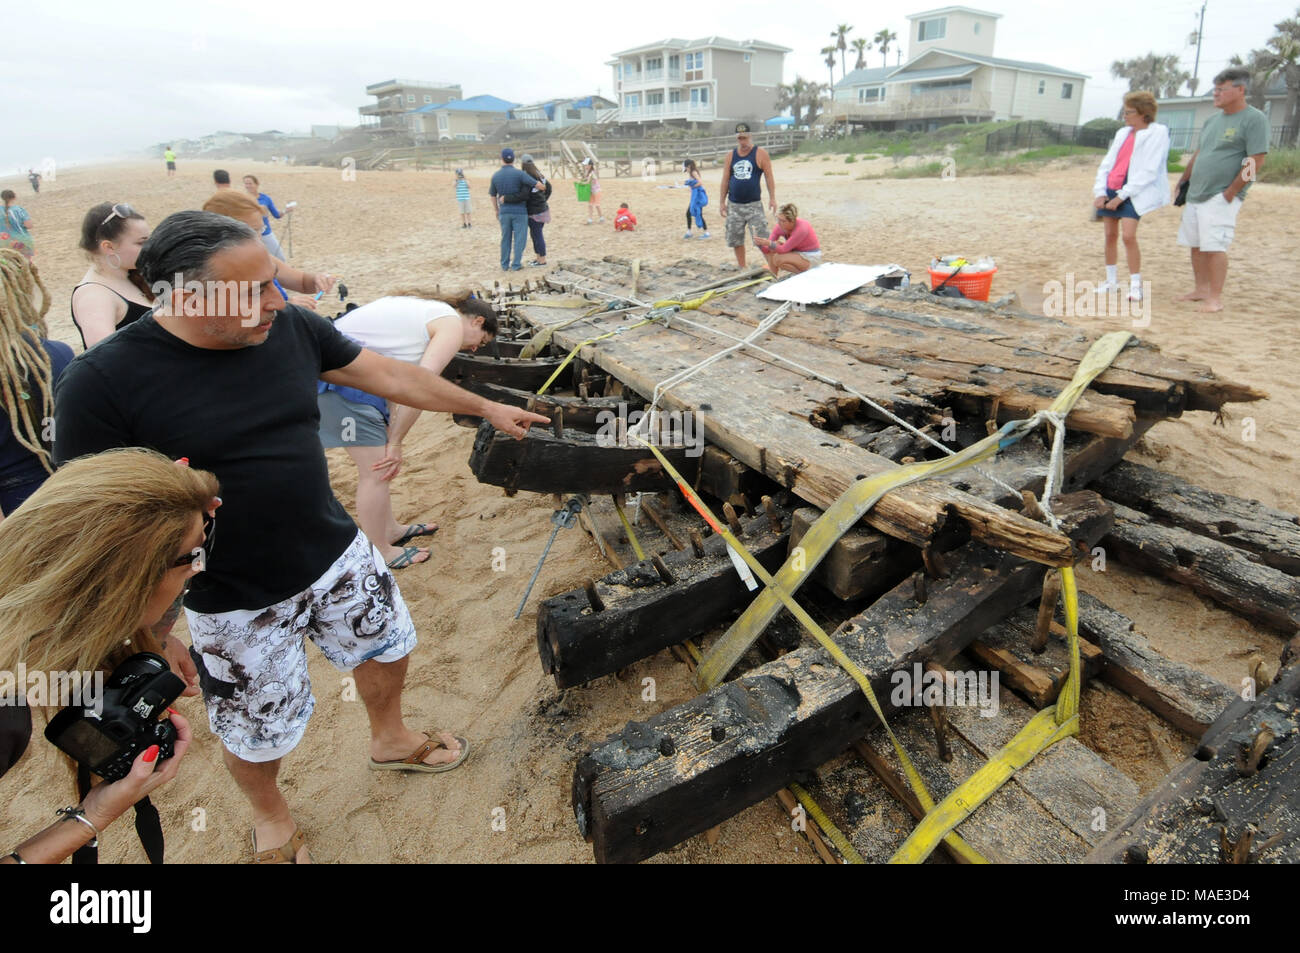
[232, 204]
[1144, 103]
[24, 363]
[788, 210]
[81, 558]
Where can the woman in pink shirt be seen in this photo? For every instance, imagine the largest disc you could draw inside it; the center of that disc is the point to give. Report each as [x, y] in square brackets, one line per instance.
[1132, 180]
[792, 245]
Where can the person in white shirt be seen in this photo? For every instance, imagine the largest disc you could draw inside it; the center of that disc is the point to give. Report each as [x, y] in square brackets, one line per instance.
[1132, 180]
[410, 325]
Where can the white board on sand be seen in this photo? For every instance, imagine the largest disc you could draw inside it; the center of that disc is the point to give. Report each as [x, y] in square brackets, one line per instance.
[827, 282]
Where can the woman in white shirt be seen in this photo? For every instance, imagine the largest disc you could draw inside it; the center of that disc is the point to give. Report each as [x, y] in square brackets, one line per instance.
[409, 325]
[1132, 180]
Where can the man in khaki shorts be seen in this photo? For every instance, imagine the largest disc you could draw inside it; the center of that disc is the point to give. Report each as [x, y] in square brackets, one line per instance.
[1233, 145]
[741, 187]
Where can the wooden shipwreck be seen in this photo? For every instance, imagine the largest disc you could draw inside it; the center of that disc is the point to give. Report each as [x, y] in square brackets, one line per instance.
[951, 568]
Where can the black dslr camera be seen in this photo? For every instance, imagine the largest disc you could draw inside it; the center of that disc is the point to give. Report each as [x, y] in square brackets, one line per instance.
[108, 742]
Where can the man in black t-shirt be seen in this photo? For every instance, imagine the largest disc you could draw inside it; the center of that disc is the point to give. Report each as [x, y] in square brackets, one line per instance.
[224, 374]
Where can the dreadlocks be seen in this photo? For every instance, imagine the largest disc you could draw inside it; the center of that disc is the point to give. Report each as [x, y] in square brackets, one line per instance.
[24, 364]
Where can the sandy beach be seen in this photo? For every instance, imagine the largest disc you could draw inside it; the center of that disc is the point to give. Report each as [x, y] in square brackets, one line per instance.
[476, 670]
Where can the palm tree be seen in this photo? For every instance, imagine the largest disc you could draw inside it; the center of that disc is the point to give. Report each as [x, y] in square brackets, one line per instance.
[791, 96]
[882, 41]
[840, 34]
[829, 52]
[861, 45]
[812, 99]
[1285, 48]
[1161, 74]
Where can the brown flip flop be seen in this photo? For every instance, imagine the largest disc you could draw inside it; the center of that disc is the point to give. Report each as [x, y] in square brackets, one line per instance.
[415, 762]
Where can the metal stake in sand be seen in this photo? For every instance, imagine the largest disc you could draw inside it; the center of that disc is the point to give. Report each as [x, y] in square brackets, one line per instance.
[563, 518]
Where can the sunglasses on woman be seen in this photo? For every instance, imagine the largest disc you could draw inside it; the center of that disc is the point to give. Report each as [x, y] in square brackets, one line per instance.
[199, 555]
[119, 211]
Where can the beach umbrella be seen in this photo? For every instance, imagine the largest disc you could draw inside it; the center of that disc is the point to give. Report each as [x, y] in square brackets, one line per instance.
[780, 121]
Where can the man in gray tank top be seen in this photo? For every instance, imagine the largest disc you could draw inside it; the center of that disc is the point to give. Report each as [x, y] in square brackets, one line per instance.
[742, 195]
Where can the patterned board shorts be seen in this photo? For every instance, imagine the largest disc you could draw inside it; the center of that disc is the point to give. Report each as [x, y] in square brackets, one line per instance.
[739, 217]
[253, 662]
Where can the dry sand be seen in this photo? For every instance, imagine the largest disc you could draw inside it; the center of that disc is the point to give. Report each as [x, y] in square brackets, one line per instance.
[476, 670]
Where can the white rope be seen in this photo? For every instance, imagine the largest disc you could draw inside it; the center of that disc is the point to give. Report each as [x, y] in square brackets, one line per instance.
[1056, 464]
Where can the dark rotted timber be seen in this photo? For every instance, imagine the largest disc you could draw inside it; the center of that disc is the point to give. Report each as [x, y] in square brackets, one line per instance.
[468, 370]
[1235, 801]
[1187, 699]
[576, 463]
[581, 413]
[687, 769]
[642, 614]
[1271, 536]
[1224, 573]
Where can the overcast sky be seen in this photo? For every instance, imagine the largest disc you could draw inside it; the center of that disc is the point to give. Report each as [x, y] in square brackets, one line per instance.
[88, 79]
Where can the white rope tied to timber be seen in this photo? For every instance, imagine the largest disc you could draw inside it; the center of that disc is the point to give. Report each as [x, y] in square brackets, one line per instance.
[1056, 465]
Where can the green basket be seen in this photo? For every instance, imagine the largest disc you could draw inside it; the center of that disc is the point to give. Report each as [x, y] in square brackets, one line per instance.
[584, 191]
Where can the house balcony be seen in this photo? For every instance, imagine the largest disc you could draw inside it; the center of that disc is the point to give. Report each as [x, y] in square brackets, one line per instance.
[651, 77]
[656, 112]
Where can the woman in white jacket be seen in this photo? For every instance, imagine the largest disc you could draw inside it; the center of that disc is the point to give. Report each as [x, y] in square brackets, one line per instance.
[1131, 181]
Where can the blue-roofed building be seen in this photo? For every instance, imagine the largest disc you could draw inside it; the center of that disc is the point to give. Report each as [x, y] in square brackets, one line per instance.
[466, 120]
[952, 75]
[560, 113]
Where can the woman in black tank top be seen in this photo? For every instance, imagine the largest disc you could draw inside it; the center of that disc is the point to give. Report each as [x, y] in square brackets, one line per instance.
[115, 294]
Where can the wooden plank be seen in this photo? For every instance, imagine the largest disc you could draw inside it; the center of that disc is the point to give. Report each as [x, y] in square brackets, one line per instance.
[587, 414]
[1038, 677]
[1271, 536]
[1069, 780]
[690, 767]
[856, 566]
[578, 463]
[529, 375]
[642, 614]
[735, 408]
[1222, 572]
[1223, 805]
[1187, 699]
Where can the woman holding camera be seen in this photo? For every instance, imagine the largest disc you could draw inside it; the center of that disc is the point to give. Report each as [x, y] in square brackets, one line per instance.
[87, 564]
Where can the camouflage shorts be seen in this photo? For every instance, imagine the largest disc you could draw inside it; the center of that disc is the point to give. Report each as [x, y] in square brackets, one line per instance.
[742, 216]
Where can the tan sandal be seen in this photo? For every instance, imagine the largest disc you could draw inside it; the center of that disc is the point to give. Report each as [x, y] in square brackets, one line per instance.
[286, 853]
[415, 762]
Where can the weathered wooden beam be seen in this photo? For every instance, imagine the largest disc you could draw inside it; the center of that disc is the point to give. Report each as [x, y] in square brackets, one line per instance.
[1186, 698]
[1222, 572]
[1271, 536]
[642, 614]
[587, 415]
[856, 567]
[578, 463]
[1241, 789]
[1038, 677]
[740, 742]
[469, 370]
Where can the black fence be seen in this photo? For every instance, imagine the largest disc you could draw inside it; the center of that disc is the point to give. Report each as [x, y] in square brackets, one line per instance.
[1034, 132]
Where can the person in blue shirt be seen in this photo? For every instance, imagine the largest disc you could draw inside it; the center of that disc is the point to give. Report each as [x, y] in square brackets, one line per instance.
[252, 186]
[508, 183]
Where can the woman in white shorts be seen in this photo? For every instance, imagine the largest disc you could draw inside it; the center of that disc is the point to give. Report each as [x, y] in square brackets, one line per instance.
[414, 326]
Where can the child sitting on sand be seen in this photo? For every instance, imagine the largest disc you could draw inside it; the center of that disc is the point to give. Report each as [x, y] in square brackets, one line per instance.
[624, 220]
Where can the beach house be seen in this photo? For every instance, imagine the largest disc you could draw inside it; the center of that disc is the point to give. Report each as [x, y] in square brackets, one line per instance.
[396, 99]
[560, 113]
[951, 75]
[708, 83]
[464, 120]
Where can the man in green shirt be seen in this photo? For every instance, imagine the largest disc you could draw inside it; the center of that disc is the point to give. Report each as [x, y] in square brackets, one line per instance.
[170, 156]
[1232, 149]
